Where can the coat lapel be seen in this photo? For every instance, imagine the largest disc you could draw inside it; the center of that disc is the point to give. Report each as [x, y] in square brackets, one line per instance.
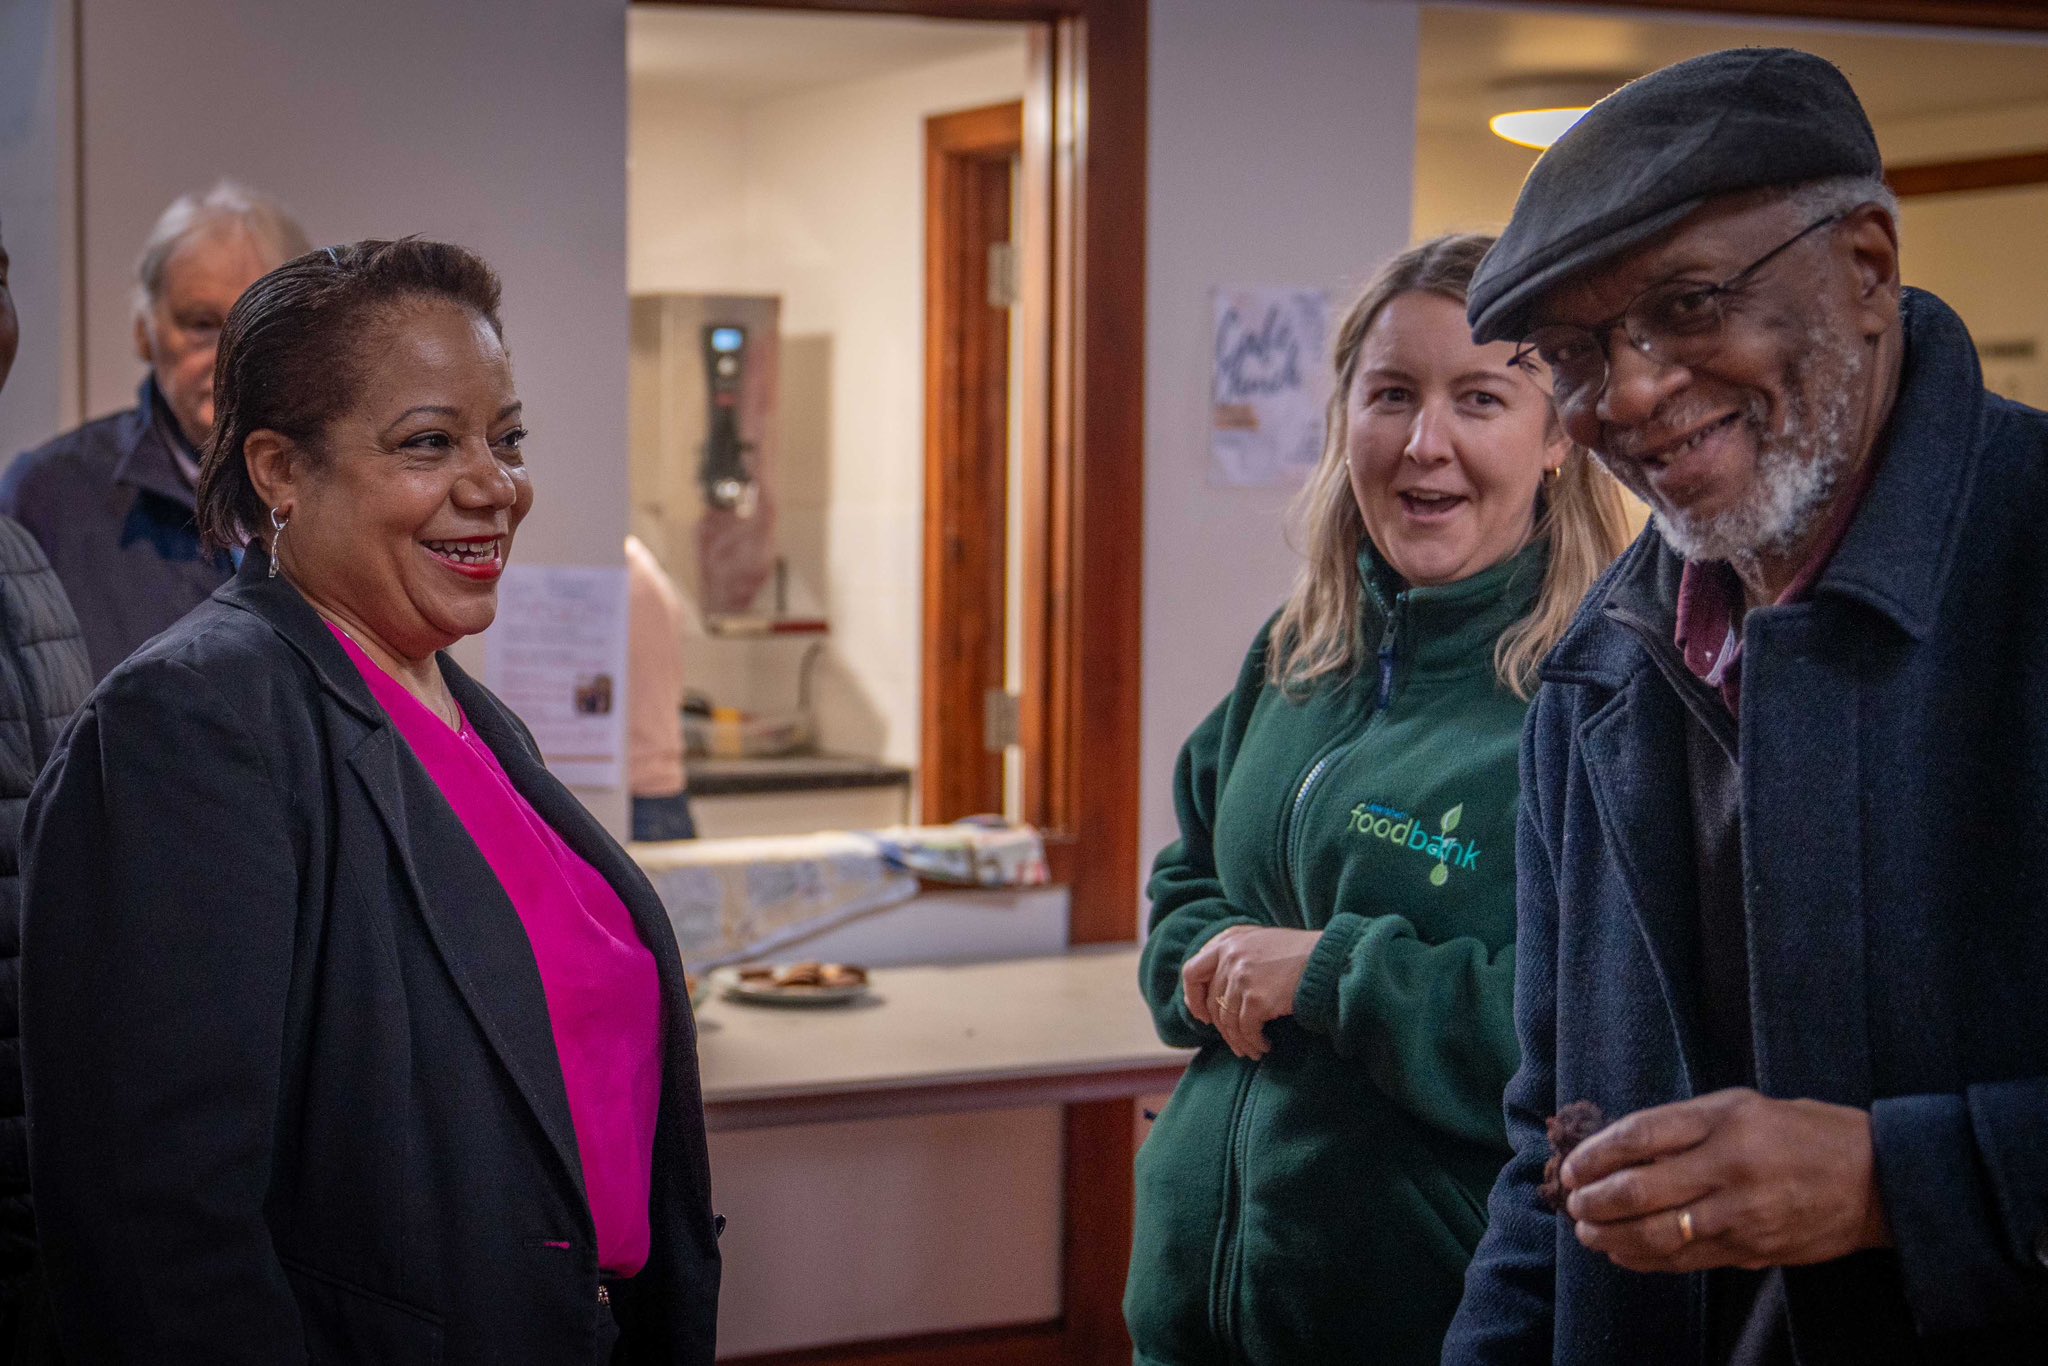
[472, 923]
[559, 807]
[470, 920]
[581, 831]
[475, 929]
[1634, 750]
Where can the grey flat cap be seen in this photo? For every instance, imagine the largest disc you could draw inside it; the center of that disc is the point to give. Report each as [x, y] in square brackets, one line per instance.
[1655, 150]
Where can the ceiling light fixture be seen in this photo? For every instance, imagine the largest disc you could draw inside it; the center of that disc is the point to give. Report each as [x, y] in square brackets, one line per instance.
[1536, 111]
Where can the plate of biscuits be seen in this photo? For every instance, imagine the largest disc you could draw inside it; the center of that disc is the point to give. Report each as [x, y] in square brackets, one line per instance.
[793, 984]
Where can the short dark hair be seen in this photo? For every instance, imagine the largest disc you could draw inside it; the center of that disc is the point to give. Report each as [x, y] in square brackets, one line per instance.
[291, 355]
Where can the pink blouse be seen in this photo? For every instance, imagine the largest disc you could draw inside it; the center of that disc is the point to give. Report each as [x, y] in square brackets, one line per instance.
[603, 994]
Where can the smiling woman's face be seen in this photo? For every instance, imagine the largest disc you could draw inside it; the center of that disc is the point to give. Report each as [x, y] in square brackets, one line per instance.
[1447, 443]
[403, 527]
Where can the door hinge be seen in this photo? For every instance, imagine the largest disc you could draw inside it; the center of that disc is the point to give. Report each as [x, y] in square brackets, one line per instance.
[1002, 275]
[1001, 714]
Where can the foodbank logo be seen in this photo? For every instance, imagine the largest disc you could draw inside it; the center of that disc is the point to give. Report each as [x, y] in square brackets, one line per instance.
[1413, 834]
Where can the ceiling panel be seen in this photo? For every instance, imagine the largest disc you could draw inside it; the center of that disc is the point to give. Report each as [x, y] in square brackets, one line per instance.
[1900, 74]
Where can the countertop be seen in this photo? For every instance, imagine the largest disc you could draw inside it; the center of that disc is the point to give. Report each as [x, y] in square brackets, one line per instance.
[1026, 1031]
[790, 773]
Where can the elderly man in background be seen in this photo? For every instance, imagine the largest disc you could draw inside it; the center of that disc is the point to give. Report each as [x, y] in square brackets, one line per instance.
[1783, 907]
[111, 503]
[43, 678]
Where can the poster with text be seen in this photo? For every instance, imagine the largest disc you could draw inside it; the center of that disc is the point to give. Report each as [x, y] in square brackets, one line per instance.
[556, 655]
[1269, 384]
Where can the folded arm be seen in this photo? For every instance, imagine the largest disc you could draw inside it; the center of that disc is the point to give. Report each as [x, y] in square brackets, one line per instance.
[1433, 1024]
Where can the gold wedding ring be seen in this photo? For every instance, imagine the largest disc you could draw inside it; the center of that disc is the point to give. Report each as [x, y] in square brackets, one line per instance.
[1223, 1003]
[1685, 1230]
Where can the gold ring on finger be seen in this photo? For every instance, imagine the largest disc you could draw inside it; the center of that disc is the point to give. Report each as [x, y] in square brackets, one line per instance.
[1685, 1228]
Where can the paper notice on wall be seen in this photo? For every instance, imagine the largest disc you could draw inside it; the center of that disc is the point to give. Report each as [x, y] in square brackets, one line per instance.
[556, 655]
[1270, 382]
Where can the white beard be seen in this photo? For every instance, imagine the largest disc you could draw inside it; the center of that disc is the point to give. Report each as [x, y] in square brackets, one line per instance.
[1797, 470]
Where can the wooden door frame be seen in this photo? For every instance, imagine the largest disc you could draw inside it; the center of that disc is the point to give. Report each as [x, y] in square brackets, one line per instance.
[1086, 110]
[969, 160]
[2008, 171]
[1083, 404]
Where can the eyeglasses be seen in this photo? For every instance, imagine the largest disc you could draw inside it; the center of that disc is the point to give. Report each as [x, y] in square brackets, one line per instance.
[1676, 323]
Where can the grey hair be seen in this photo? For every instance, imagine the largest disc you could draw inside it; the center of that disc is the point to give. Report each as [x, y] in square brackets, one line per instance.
[263, 218]
[1841, 194]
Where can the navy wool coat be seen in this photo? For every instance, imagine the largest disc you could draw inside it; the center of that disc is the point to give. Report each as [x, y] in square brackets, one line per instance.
[292, 1084]
[115, 517]
[1894, 790]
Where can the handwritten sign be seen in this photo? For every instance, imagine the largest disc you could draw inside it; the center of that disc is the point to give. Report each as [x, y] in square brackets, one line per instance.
[1271, 379]
[556, 655]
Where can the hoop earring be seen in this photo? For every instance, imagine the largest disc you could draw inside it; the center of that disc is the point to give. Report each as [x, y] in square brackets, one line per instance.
[277, 524]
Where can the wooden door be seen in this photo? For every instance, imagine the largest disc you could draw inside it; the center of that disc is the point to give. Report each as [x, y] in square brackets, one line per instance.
[968, 719]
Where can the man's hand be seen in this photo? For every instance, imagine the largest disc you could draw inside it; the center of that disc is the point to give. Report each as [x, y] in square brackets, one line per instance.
[1245, 977]
[1728, 1179]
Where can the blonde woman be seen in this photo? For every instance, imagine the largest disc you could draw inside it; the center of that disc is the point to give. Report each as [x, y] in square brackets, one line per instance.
[1334, 929]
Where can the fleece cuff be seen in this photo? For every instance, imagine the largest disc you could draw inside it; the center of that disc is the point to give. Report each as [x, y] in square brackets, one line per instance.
[1315, 1000]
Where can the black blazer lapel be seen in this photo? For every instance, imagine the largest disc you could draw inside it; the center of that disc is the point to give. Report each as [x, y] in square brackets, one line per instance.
[476, 930]
[685, 1249]
[472, 922]
[470, 919]
[1634, 752]
[570, 819]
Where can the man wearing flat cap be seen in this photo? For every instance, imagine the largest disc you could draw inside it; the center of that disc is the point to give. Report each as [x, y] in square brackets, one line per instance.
[1783, 854]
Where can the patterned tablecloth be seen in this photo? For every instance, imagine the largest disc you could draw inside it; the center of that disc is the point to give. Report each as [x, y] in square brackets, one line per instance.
[731, 900]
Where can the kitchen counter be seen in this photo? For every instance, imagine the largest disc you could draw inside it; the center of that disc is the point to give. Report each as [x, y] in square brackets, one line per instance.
[939, 1039]
[790, 773]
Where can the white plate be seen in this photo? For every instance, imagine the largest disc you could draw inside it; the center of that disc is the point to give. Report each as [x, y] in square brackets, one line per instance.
[734, 988]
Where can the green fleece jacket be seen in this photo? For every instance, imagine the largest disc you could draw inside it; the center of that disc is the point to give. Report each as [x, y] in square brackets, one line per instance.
[1320, 1205]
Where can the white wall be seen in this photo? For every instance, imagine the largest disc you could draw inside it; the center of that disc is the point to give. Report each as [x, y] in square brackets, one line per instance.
[686, 182]
[37, 198]
[818, 197]
[1986, 255]
[1281, 153]
[499, 126]
[1466, 181]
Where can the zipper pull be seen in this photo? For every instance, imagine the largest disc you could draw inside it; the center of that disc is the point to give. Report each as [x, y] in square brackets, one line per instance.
[1387, 653]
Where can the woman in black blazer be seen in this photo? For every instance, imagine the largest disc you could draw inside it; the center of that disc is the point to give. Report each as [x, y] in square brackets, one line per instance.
[308, 1077]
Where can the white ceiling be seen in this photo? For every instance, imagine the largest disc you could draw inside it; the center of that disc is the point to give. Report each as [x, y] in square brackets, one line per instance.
[1900, 74]
[743, 55]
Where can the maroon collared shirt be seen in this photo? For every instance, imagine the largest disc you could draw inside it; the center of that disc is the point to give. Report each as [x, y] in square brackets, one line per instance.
[1709, 633]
